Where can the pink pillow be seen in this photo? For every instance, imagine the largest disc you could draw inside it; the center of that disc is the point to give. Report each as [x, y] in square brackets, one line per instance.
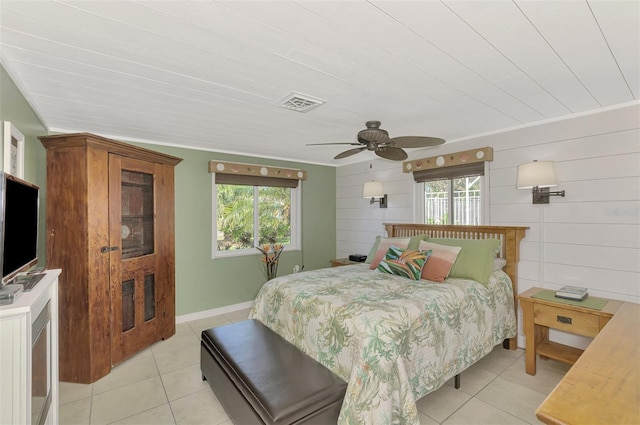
[440, 261]
[383, 247]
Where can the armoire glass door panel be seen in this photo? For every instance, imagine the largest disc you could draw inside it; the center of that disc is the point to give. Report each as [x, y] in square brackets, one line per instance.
[149, 297]
[137, 205]
[128, 305]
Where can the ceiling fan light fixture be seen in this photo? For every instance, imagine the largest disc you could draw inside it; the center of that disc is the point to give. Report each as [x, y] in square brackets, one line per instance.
[300, 102]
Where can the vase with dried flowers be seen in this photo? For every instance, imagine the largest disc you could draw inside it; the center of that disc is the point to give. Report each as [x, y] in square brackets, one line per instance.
[270, 257]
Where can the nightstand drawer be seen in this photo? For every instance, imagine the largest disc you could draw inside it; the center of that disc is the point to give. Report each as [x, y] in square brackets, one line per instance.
[566, 320]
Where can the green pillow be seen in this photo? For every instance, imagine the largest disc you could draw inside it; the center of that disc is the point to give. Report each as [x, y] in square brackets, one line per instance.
[372, 251]
[475, 261]
[415, 241]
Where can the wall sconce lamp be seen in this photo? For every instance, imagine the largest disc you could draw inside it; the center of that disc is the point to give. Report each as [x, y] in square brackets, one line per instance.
[538, 176]
[375, 191]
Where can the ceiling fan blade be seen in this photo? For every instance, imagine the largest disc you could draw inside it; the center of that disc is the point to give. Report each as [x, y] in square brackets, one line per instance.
[394, 154]
[318, 144]
[416, 141]
[349, 152]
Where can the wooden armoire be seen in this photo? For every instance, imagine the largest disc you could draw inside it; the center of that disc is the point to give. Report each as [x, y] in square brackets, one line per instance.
[110, 228]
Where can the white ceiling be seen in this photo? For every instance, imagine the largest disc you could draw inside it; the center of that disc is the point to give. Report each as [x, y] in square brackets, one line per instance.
[210, 74]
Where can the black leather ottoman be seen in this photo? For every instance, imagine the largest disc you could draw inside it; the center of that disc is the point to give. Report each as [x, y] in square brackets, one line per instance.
[260, 378]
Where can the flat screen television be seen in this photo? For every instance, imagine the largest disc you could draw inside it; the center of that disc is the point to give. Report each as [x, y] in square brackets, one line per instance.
[19, 209]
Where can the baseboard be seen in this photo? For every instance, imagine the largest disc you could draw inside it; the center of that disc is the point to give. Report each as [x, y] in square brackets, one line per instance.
[213, 312]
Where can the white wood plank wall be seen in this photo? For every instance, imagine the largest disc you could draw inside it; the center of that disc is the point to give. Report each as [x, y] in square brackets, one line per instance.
[589, 238]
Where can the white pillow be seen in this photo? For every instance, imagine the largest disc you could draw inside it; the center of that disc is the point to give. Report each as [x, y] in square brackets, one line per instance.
[498, 264]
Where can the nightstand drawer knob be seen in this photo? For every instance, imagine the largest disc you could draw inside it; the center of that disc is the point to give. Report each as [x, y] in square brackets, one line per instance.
[564, 319]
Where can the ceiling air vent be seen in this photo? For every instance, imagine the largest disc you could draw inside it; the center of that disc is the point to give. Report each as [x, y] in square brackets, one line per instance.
[300, 102]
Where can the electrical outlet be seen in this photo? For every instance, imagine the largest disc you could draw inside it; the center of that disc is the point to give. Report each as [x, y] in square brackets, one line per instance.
[296, 268]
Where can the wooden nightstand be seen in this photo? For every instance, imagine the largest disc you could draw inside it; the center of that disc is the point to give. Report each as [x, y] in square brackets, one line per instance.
[540, 315]
[337, 262]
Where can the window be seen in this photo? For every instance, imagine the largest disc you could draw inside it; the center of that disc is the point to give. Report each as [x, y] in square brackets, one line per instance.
[453, 201]
[452, 195]
[252, 211]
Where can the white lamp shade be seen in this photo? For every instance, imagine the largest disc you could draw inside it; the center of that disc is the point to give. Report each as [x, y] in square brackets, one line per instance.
[373, 190]
[536, 173]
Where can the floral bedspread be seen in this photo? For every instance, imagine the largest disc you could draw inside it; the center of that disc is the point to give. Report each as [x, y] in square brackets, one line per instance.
[392, 339]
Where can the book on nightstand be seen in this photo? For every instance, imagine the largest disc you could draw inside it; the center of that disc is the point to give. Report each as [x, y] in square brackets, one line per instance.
[572, 293]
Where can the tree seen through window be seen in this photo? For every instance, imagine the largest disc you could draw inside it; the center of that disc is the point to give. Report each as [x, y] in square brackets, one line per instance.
[252, 215]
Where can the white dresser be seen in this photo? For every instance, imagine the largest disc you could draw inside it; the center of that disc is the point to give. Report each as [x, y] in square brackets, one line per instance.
[29, 355]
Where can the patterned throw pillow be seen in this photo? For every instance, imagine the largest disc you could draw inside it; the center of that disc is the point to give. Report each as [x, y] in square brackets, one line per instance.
[404, 262]
[440, 262]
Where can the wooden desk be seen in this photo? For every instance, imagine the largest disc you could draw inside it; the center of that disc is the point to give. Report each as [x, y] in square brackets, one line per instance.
[603, 387]
[539, 315]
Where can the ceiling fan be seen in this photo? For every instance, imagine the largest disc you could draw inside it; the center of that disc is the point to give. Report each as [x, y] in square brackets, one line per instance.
[376, 139]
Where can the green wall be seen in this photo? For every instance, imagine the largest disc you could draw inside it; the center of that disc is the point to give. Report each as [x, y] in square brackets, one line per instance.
[202, 283]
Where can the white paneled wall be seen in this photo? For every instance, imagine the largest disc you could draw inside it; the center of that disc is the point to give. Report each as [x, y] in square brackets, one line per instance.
[357, 221]
[589, 238]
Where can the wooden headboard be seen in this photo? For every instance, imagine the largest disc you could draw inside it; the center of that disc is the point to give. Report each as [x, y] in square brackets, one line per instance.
[510, 237]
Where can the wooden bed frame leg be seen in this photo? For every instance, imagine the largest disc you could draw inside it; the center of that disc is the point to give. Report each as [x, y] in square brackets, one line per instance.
[456, 381]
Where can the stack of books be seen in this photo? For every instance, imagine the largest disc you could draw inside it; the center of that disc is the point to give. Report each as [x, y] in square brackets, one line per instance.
[576, 293]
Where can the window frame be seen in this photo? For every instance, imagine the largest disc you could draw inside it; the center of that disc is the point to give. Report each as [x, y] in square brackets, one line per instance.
[296, 223]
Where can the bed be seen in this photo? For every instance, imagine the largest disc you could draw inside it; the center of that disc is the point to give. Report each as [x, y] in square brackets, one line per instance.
[392, 339]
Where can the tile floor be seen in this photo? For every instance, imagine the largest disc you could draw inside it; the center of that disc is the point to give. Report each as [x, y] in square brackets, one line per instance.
[163, 385]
